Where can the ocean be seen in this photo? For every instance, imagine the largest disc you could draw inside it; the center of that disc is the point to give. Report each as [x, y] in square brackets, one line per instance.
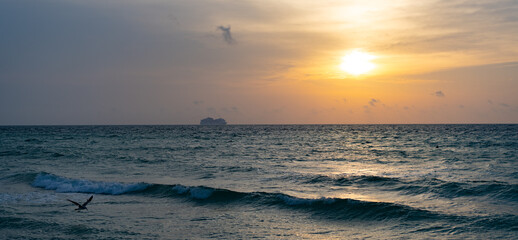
[260, 182]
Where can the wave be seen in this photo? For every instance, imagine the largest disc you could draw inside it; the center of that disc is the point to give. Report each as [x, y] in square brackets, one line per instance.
[442, 188]
[62, 184]
[335, 208]
[339, 209]
[446, 189]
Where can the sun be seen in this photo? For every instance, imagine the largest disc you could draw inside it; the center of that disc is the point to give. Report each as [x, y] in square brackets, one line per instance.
[357, 62]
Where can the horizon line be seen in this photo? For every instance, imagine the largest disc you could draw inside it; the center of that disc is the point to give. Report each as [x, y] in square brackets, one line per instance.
[245, 124]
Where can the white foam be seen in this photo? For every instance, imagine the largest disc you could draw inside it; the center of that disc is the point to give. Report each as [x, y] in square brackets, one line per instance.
[61, 184]
[180, 189]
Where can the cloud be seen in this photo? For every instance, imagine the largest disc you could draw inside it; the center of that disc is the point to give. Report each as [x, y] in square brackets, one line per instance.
[227, 36]
[439, 94]
[373, 102]
[453, 25]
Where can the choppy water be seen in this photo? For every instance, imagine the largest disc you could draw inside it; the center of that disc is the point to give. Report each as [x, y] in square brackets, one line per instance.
[272, 182]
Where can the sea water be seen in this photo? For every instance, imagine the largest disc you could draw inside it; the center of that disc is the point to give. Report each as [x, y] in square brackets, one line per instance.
[266, 182]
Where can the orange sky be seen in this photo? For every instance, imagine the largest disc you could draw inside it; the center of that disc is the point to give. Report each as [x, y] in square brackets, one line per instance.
[257, 62]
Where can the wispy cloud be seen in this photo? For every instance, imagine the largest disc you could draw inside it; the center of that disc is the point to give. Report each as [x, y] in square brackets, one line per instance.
[373, 102]
[467, 25]
[227, 35]
[439, 94]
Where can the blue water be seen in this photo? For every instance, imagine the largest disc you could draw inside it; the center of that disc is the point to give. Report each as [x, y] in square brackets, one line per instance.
[271, 182]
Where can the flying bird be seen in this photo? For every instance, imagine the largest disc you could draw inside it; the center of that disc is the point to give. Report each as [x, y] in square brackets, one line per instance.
[81, 206]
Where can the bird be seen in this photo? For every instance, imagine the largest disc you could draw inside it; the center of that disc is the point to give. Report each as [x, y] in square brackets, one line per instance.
[81, 206]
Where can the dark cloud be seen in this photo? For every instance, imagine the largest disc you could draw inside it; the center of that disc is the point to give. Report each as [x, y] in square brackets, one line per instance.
[227, 35]
[373, 102]
[438, 94]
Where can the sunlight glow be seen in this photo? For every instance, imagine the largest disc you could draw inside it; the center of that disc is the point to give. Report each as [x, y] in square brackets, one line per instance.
[357, 62]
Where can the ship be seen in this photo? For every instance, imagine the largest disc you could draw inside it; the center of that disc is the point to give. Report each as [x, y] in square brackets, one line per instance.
[212, 121]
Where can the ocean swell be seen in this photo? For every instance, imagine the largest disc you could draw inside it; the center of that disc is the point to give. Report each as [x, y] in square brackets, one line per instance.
[336, 208]
[325, 207]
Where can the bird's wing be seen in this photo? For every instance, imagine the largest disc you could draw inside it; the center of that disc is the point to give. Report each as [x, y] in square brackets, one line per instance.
[76, 203]
[87, 201]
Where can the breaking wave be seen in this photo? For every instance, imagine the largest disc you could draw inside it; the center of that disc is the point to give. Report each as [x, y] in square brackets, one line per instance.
[336, 208]
[67, 185]
[324, 207]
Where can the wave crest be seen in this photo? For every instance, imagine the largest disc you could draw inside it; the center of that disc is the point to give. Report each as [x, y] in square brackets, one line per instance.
[330, 208]
[62, 184]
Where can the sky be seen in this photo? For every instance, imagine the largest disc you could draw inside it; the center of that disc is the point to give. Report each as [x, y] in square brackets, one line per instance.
[68, 62]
